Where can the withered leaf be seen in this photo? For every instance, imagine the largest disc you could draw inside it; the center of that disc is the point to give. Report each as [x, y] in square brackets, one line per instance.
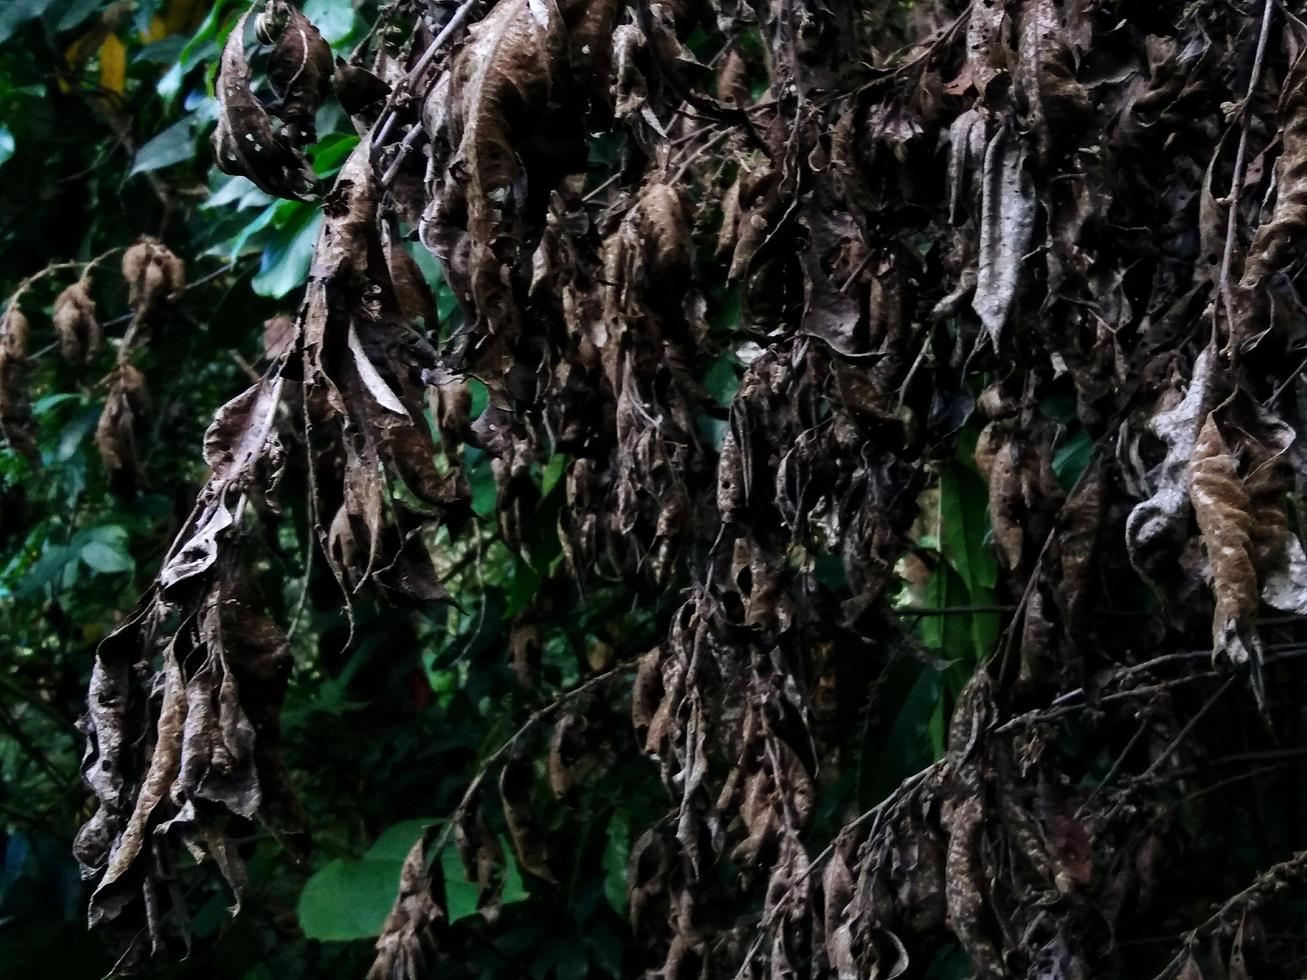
[1008, 209]
[516, 791]
[75, 323]
[300, 68]
[1221, 507]
[244, 142]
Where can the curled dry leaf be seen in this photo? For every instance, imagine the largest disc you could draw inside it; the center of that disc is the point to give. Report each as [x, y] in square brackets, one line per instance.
[75, 324]
[299, 68]
[245, 143]
[1277, 239]
[1221, 508]
[126, 406]
[15, 412]
[766, 469]
[407, 948]
[517, 793]
[152, 272]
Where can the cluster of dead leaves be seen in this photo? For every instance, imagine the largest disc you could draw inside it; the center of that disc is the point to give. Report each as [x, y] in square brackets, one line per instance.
[1020, 201]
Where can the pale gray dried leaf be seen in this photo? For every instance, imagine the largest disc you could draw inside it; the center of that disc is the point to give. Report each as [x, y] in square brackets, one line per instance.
[1221, 507]
[1157, 527]
[1008, 209]
[197, 553]
[372, 380]
[164, 759]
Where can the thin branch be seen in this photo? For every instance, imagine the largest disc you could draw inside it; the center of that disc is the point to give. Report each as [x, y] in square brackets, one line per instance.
[386, 120]
[1264, 884]
[1240, 164]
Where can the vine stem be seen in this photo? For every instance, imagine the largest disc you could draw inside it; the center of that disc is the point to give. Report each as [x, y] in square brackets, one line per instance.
[127, 317]
[35, 277]
[1240, 165]
[1293, 867]
[537, 716]
[381, 129]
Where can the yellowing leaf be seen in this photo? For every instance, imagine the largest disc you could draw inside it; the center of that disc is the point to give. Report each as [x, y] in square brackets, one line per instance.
[113, 65]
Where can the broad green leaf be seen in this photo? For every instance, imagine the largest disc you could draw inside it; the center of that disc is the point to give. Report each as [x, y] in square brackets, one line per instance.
[485, 493]
[513, 889]
[165, 51]
[896, 749]
[521, 588]
[328, 154]
[334, 19]
[45, 570]
[74, 12]
[176, 144]
[15, 13]
[348, 899]
[394, 843]
[713, 431]
[44, 406]
[106, 559]
[553, 472]
[725, 318]
[286, 262]
[964, 523]
[232, 190]
[70, 439]
[480, 395]
[461, 895]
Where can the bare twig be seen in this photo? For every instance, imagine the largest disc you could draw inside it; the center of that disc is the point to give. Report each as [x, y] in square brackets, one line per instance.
[381, 130]
[1240, 164]
[1264, 884]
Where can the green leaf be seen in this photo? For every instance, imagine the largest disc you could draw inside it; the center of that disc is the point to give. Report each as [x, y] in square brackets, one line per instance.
[328, 154]
[722, 381]
[348, 899]
[617, 854]
[70, 439]
[106, 559]
[513, 890]
[480, 397]
[285, 263]
[1072, 458]
[15, 13]
[334, 19]
[174, 145]
[522, 585]
[894, 750]
[964, 523]
[76, 12]
[394, 843]
[712, 431]
[44, 570]
[485, 493]
[461, 895]
[552, 473]
[725, 318]
[165, 51]
[44, 405]
[235, 190]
